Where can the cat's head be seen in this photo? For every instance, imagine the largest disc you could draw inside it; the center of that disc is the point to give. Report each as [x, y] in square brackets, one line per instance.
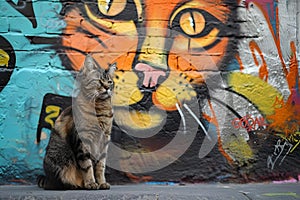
[96, 83]
[162, 49]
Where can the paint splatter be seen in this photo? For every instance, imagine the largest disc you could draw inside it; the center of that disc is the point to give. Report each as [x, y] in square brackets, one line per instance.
[281, 194]
[286, 118]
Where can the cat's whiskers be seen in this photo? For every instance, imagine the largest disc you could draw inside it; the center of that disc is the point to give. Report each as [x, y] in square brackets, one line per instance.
[96, 95]
[197, 120]
[182, 117]
[91, 96]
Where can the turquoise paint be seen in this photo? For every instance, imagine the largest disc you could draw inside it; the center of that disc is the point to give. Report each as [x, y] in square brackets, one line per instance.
[38, 71]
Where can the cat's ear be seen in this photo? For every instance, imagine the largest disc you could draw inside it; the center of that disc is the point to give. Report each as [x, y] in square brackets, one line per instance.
[111, 69]
[89, 64]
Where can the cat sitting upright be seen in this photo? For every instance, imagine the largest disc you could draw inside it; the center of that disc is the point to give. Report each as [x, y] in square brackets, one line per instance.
[76, 154]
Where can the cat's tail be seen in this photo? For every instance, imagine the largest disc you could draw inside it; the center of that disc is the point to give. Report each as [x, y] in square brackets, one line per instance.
[49, 184]
[41, 180]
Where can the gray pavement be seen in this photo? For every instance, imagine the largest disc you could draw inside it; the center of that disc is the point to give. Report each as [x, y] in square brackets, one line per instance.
[160, 192]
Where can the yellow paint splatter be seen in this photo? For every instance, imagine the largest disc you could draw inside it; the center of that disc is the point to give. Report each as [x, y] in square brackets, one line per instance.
[238, 148]
[293, 194]
[4, 58]
[259, 92]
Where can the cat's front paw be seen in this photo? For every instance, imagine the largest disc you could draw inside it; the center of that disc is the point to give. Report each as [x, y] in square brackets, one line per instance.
[104, 186]
[91, 186]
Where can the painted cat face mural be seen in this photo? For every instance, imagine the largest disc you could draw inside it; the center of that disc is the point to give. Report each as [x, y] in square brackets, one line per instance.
[160, 51]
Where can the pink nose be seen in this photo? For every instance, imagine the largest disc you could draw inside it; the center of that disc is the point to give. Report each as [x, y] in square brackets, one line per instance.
[151, 74]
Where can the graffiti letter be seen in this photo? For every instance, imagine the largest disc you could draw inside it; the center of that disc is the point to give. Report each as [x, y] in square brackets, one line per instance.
[270, 162]
[25, 8]
[236, 123]
[53, 112]
[279, 148]
[290, 147]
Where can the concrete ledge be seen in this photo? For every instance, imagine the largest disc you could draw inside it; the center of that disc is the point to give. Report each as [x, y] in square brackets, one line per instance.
[160, 192]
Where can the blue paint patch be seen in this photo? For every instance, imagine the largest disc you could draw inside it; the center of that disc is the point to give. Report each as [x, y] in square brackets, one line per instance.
[161, 183]
[233, 65]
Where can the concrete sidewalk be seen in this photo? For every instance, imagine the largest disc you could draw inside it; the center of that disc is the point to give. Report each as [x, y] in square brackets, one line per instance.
[159, 192]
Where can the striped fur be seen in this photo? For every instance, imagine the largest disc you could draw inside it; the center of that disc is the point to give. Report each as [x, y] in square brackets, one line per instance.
[76, 153]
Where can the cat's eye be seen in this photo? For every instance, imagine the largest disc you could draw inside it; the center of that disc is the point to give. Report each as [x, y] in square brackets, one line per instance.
[199, 25]
[112, 9]
[192, 23]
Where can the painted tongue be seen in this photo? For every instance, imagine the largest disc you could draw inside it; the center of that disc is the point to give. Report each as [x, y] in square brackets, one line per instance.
[151, 74]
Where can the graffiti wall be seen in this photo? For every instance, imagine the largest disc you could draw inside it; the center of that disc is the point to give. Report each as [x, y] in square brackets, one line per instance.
[205, 90]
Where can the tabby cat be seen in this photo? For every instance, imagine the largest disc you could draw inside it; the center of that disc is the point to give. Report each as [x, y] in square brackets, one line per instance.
[76, 154]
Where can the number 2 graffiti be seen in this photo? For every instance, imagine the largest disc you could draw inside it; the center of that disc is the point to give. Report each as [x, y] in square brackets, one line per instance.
[53, 112]
[52, 106]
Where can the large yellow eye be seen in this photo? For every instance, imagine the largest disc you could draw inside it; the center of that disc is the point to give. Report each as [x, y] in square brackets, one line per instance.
[111, 7]
[121, 10]
[202, 28]
[192, 23]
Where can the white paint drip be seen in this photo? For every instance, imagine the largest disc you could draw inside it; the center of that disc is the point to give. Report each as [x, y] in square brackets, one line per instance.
[197, 120]
[182, 117]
